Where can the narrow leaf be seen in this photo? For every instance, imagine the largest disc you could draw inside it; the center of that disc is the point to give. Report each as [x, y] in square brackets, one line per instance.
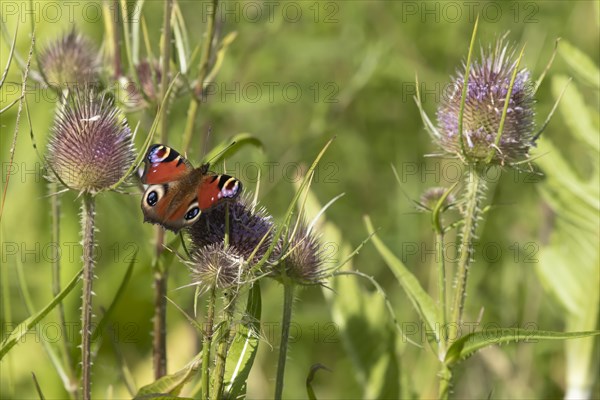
[229, 147]
[469, 344]
[170, 384]
[243, 348]
[24, 327]
[420, 299]
[581, 64]
[311, 376]
[118, 295]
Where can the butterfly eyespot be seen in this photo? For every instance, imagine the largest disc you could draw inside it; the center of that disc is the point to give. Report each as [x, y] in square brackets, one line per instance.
[152, 198]
[192, 213]
[154, 194]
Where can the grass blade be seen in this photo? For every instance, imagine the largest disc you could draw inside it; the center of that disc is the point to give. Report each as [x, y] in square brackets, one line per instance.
[29, 323]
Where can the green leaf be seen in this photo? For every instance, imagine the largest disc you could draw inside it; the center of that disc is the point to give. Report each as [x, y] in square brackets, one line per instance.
[220, 56]
[22, 329]
[243, 348]
[420, 299]
[181, 39]
[120, 291]
[573, 109]
[229, 147]
[467, 345]
[171, 384]
[311, 375]
[569, 263]
[580, 63]
[362, 317]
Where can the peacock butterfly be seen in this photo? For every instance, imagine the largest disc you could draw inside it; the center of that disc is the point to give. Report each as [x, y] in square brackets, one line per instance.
[177, 193]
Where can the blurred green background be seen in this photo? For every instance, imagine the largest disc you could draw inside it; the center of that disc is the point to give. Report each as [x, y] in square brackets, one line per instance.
[297, 74]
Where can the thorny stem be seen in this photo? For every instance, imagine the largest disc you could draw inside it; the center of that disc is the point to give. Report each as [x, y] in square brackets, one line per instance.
[473, 196]
[223, 348]
[204, 62]
[228, 310]
[288, 299]
[87, 226]
[445, 382]
[159, 342]
[206, 343]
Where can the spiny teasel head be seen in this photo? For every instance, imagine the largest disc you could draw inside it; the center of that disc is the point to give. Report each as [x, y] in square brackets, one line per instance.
[90, 147]
[249, 228]
[432, 196]
[488, 84]
[300, 258]
[70, 61]
[216, 266]
[148, 92]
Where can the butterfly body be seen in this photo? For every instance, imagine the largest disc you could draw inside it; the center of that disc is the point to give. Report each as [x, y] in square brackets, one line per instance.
[177, 193]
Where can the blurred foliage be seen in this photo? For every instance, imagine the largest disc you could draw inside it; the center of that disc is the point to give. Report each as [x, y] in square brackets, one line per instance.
[353, 65]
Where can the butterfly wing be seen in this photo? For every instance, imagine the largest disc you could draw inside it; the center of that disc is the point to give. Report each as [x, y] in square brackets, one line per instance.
[170, 196]
[176, 193]
[173, 205]
[163, 164]
[216, 188]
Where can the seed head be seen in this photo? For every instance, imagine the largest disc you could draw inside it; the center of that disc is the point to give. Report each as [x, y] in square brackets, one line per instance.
[247, 228]
[213, 265]
[90, 148]
[488, 85]
[302, 260]
[70, 61]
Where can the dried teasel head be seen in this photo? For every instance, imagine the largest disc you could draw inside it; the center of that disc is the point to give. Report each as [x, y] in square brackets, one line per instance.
[70, 61]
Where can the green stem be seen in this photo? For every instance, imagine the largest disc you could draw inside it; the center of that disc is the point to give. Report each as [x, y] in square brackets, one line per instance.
[473, 197]
[159, 339]
[442, 292]
[228, 310]
[206, 343]
[288, 299]
[445, 382]
[204, 61]
[223, 348]
[159, 342]
[87, 226]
